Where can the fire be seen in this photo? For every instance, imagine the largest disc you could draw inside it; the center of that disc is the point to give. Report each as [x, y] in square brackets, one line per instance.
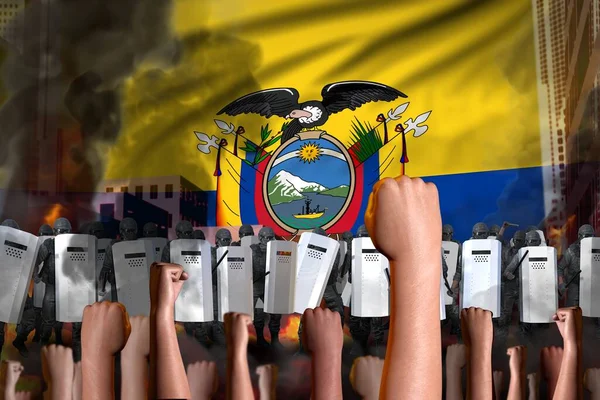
[557, 236]
[55, 212]
[289, 330]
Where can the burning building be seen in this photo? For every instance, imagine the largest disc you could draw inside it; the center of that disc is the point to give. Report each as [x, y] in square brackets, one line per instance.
[568, 64]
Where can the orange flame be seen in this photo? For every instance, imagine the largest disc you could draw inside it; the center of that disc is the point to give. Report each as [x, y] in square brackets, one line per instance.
[55, 212]
[289, 331]
[557, 236]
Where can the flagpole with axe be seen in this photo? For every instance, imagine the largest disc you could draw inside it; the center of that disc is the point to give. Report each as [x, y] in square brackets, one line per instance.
[410, 126]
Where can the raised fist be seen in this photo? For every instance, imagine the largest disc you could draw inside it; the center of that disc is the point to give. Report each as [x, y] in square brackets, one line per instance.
[404, 213]
[267, 378]
[591, 380]
[518, 358]
[105, 327]
[570, 323]
[476, 325]
[203, 379]
[57, 365]
[322, 331]
[236, 330]
[166, 281]
[365, 376]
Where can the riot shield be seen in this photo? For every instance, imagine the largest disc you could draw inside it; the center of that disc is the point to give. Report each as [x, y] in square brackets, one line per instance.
[16, 266]
[316, 255]
[74, 275]
[195, 302]
[234, 281]
[281, 279]
[480, 286]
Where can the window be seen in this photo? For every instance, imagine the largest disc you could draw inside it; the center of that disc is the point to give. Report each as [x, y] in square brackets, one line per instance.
[170, 223]
[109, 190]
[154, 192]
[169, 191]
[107, 210]
[124, 189]
[139, 192]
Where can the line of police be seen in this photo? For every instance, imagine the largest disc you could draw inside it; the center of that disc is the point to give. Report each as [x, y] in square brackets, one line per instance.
[567, 271]
[43, 320]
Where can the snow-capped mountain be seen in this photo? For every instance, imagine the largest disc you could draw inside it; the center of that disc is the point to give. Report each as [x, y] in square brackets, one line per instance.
[285, 187]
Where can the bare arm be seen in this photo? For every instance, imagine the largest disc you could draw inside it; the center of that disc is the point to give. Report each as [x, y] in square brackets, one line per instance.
[134, 360]
[326, 376]
[570, 378]
[57, 363]
[592, 382]
[238, 383]
[455, 361]
[104, 332]
[168, 379]
[267, 381]
[478, 334]
[533, 386]
[498, 377]
[324, 340]
[518, 359]
[396, 207]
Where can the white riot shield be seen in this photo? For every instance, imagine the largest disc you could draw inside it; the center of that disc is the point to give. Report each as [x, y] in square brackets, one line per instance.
[75, 275]
[17, 256]
[316, 255]
[195, 302]
[249, 240]
[158, 244]
[280, 282]
[132, 260]
[369, 282]
[538, 294]
[39, 289]
[589, 279]
[481, 268]
[451, 256]
[234, 281]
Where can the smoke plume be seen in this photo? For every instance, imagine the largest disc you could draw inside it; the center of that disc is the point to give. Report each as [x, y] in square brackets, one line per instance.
[77, 62]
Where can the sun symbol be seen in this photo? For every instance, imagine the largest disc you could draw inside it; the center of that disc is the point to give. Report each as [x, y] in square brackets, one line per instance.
[309, 152]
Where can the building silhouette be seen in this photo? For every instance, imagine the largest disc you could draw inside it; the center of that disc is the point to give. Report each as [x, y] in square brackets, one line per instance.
[181, 199]
[567, 47]
[11, 22]
[113, 207]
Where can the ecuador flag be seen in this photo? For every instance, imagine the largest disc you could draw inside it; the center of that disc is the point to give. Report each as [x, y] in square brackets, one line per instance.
[469, 121]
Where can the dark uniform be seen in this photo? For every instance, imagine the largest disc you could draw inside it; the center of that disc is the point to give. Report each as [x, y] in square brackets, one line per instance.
[47, 275]
[259, 269]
